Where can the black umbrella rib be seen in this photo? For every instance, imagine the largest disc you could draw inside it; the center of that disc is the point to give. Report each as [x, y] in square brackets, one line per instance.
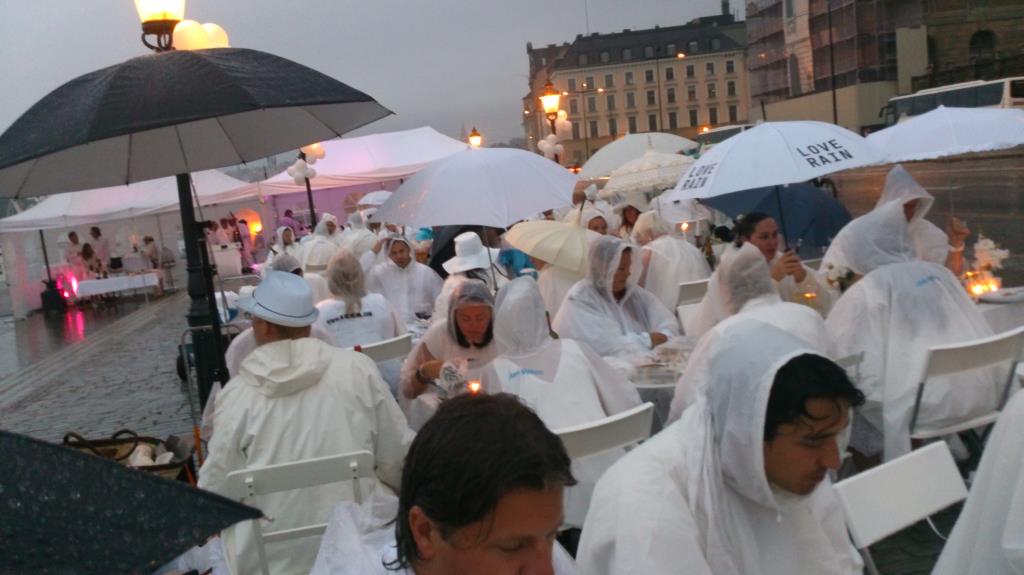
[388, 111]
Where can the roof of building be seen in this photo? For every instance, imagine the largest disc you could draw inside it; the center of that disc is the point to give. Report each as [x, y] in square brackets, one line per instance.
[703, 31]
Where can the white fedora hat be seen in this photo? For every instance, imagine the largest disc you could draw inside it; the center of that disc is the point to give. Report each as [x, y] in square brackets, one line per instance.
[470, 254]
[281, 298]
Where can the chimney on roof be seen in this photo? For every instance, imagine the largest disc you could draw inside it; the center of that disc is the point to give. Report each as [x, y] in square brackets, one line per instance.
[725, 7]
[626, 30]
[594, 34]
[578, 36]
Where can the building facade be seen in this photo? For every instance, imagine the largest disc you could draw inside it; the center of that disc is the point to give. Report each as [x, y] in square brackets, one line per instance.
[679, 79]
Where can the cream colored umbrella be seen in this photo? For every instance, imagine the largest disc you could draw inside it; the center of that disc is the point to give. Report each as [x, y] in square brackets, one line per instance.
[560, 244]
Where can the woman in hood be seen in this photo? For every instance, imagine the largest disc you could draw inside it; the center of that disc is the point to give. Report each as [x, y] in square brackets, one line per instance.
[608, 311]
[284, 244]
[359, 239]
[667, 260]
[628, 211]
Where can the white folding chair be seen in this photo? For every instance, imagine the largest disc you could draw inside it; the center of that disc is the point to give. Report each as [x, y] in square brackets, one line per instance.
[813, 264]
[691, 292]
[245, 484]
[851, 364]
[396, 347]
[685, 312]
[885, 499]
[620, 430]
[957, 358]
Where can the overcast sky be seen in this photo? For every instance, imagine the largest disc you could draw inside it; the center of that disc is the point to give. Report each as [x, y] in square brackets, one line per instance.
[442, 63]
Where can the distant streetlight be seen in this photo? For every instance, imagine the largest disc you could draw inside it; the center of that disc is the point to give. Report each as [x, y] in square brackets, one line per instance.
[159, 17]
[475, 139]
[549, 101]
[680, 56]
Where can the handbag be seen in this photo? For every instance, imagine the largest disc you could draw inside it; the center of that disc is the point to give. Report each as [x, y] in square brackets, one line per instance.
[120, 446]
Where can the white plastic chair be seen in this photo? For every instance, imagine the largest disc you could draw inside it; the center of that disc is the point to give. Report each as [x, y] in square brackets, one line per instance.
[691, 292]
[897, 494]
[396, 347]
[685, 312]
[620, 430]
[851, 364]
[245, 484]
[961, 357]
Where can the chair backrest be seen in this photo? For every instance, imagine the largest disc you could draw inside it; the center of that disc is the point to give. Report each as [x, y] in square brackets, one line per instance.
[396, 347]
[851, 364]
[813, 264]
[883, 500]
[692, 292]
[685, 312]
[619, 430]
[247, 483]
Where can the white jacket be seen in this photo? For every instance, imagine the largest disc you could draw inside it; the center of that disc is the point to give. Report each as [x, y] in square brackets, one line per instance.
[294, 400]
[695, 499]
[410, 290]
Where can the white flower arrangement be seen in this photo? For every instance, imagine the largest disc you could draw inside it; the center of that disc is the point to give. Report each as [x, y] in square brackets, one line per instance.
[988, 255]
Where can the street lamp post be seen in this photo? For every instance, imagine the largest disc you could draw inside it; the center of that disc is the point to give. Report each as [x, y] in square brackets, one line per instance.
[832, 65]
[475, 139]
[549, 101]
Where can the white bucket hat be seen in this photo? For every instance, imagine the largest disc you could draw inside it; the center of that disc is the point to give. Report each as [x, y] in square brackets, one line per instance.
[283, 299]
[470, 254]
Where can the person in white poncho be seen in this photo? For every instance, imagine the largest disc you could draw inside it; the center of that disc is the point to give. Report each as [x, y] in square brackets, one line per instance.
[748, 293]
[608, 311]
[319, 247]
[297, 398]
[284, 243]
[739, 485]
[989, 535]
[928, 242]
[481, 495]
[793, 280]
[562, 380]
[408, 285]
[472, 261]
[357, 239]
[667, 260]
[894, 313]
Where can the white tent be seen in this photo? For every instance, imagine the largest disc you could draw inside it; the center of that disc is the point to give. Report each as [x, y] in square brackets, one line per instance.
[123, 202]
[373, 158]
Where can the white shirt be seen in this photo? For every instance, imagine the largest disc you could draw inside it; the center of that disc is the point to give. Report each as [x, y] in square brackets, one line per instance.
[409, 290]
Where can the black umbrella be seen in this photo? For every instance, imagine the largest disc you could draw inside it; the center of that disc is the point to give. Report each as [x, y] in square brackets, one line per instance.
[170, 114]
[67, 512]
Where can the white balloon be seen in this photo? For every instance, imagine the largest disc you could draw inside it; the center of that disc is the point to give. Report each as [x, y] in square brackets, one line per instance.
[189, 35]
[216, 37]
[543, 145]
[551, 139]
[562, 116]
[559, 149]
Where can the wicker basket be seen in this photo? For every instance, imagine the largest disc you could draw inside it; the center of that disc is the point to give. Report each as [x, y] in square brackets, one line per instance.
[121, 445]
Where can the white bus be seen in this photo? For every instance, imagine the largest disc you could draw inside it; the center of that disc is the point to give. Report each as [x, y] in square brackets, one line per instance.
[1003, 93]
[708, 139]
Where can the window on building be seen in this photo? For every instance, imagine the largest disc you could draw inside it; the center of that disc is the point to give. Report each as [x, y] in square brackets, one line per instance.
[582, 60]
[693, 47]
[670, 73]
[730, 67]
[670, 95]
[691, 92]
[609, 80]
[690, 71]
[716, 44]
[589, 82]
[670, 50]
[604, 57]
[610, 101]
[631, 99]
[574, 106]
[575, 130]
[982, 46]
[673, 121]
[627, 54]
[732, 115]
[613, 127]
[648, 76]
[712, 90]
[572, 84]
[632, 124]
[648, 51]
[652, 123]
[577, 156]
[650, 98]
[730, 88]
[693, 118]
[593, 129]
[629, 78]
[709, 68]
[712, 116]
[591, 104]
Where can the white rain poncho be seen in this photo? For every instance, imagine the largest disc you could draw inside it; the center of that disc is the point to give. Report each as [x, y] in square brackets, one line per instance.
[989, 535]
[318, 251]
[317, 284]
[357, 238]
[441, 340]
[410, 290]
[625, 231]
[360, 540]
[900, 308]
[712, 309]
[695, 498]
[293, 249]
[554, 282]
[589, 214]
[748, 293]
[562, 380]
[293, 400]
[591, 314]
[667, 260]
[321, 229]
[929, 243]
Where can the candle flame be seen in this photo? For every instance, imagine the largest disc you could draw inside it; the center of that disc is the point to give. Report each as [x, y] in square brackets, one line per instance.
[810, 295]
[684, 226]
[474, 387]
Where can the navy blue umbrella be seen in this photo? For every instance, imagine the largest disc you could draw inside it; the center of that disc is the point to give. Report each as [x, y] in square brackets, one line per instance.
[807, 216]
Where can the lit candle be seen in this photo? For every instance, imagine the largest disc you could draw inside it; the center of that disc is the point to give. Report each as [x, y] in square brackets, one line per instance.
[474, 386]
[684, 226]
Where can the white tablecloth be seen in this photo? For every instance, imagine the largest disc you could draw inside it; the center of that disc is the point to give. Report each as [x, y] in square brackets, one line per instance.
[88, 288]
[228, 260]
[1002, 316]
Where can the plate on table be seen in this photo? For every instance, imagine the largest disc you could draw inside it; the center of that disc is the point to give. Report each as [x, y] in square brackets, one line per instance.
[1005, 295]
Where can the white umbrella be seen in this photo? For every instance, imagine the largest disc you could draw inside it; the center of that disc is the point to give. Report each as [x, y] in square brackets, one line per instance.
[631, 147]
[951, 132]
[774, 154]
[376, 198]
[493, 187]
[650, 173]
